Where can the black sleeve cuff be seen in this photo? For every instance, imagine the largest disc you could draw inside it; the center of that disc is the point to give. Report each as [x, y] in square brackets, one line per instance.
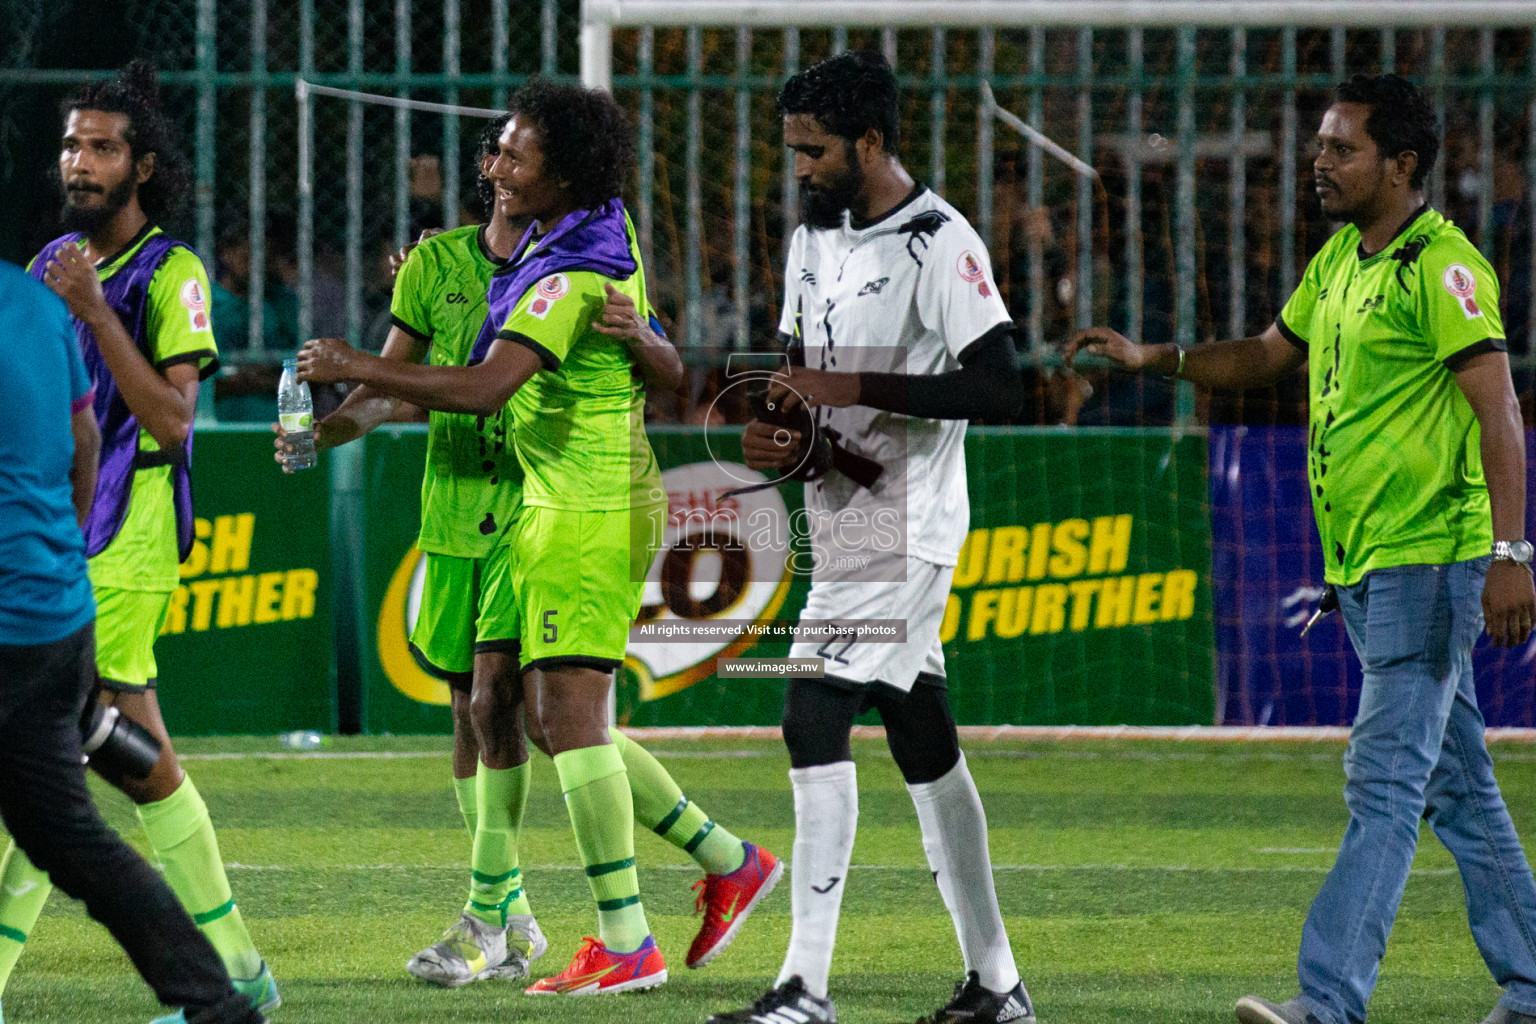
[408, 329]
[1290, 335]
[194, 358]
[1456, 360]
[549, 359]
[988, 386]
[984, 345]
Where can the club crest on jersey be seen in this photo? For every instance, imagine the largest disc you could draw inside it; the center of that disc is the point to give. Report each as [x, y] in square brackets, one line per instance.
[1459, 282]
[873, 287]
[547, 292]
[196, 305]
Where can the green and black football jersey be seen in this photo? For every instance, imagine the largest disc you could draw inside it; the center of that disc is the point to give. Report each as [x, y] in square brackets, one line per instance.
[1393, 457]
[472, 484]
[581, 422]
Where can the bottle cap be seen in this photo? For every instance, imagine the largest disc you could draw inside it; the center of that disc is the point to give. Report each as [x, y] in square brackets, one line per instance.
[291, 362]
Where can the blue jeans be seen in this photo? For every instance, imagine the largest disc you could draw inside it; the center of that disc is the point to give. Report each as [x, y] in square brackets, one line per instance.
[1417, 751]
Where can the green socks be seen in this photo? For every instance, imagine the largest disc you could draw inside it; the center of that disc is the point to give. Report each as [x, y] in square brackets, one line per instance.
[182, 837]
[661, 807]
[464, 789]
[23, 891]
[496, 884]
[603, 818]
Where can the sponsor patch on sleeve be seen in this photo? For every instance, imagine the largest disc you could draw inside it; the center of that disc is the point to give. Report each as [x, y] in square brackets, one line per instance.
[1462, 285]
[973, 271]
[548, 292]
[196, 305]
[970, 267]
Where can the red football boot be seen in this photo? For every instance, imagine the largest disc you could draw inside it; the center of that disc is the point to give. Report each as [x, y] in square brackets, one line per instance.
[726, 900]
[596, 969]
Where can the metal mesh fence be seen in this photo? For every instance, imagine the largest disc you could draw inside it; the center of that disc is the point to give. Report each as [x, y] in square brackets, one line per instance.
[1200, 226]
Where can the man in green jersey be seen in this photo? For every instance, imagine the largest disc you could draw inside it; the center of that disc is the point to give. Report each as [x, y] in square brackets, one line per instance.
[1417, 463]
[139, 302]
[447, 632]
[591, 516]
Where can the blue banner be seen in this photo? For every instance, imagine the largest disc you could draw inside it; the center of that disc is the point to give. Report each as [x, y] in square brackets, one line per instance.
[1267, 573]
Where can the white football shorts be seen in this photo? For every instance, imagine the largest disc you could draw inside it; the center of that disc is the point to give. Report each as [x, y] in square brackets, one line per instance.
[920, 601]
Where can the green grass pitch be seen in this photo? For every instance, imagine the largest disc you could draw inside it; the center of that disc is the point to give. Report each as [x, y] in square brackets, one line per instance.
[1152, 883]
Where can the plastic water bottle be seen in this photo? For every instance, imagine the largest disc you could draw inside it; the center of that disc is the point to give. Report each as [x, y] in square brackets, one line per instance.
[296, 412]
[301, 739]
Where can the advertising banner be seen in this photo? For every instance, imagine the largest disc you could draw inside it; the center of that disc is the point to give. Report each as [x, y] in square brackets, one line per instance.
[1268, 569]
[1082, 594]
[248, 644]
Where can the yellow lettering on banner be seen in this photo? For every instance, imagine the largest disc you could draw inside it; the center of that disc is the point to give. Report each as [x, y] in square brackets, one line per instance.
[1115, 598]
[973, 559]
[1147, 585]
[176, 612]
[1050, 609]
[237, 594]
[267, 596]
[1071, 554]
[951, 624]
[1039, 550]
[1013, 612]
[1110, 547]
[1179, 594]
[1082, 602]
[197, 559]
[299, 593]
[1005, 563]
[983, 609]
[232, 542]
[202, 603]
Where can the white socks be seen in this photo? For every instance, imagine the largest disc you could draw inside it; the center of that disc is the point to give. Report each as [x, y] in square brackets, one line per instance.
[955, 840]
[826, 817]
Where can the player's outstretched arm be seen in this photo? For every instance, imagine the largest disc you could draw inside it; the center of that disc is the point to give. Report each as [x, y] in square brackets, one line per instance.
[481, 389]
[163, 404]
[988, 385]
[1509, 596]
[364, 409]
[657, 359]
[1235, 365]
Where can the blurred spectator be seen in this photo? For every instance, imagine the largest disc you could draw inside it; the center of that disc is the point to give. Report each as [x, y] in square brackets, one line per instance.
[231, 297]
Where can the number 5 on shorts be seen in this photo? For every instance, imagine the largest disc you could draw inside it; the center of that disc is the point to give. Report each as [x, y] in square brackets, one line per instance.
[551, 629]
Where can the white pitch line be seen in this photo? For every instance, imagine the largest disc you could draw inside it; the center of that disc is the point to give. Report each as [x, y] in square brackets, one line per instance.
[1036, 868]
[1297, 849]
[315, 755]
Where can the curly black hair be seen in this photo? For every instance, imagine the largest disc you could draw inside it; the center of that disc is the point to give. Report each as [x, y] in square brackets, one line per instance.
[489, 144]
[1401, 118]
[848, 95]
[586, 137]
[135, 92]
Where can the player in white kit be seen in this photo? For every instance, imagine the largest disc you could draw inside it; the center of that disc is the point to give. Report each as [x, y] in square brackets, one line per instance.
[897, 337]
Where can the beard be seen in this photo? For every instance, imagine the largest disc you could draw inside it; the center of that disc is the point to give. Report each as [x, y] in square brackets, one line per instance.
[89, 219]
[824, 204]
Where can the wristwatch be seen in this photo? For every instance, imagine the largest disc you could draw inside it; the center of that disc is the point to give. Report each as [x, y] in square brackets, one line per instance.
[1517, 551]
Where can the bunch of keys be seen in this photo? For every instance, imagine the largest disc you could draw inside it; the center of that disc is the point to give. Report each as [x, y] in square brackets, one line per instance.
[1329, 603]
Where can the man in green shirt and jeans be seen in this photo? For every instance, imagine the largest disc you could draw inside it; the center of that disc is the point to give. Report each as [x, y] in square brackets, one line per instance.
[1416, 458]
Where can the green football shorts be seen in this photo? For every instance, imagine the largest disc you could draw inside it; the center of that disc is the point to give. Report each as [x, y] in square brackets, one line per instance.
[127, 623]
[578, 577]
[466, 608]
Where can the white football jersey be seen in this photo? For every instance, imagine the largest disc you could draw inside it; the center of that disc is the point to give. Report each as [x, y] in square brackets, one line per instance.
[906, 293]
